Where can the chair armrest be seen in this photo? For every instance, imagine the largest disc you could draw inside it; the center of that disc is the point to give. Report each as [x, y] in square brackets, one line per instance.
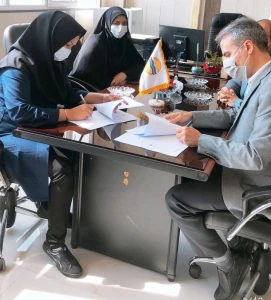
[252, 194]
[242, 222]
[84, 85]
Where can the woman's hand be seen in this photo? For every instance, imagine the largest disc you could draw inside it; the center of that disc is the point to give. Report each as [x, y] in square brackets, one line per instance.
[182, 118]
[109, 98]
[80, 112]
[118, 79]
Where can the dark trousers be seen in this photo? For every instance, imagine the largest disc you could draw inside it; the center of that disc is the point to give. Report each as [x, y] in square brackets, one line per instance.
[187, 204]
[61, 190]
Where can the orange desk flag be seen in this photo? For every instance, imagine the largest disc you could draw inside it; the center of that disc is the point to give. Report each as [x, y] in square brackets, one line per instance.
[155, 74]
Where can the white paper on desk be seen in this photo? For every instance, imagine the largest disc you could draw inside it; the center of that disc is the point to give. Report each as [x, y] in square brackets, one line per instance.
[97, 120]
[156, 126]
[105, 116]
[131, 103]
[119, 116]
[168, 145]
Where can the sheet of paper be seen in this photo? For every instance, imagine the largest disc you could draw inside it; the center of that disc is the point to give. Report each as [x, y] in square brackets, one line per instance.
[168, 145]
[122, 117]
[131, 103]
[105, 116]
[156, 126]
[97, 120]
[108, 108]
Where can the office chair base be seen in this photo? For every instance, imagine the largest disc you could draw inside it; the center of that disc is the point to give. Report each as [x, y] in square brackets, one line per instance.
[261, 265]
[194, 269]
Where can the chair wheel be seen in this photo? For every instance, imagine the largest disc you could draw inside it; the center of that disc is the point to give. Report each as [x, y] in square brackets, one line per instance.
[2, 264]
[195, 271]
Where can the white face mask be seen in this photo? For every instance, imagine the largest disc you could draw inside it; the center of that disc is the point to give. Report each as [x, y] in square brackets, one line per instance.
[62, 54]
[118, 31]
[236, 72]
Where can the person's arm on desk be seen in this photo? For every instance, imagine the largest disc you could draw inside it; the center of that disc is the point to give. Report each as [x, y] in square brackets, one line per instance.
[185, 133]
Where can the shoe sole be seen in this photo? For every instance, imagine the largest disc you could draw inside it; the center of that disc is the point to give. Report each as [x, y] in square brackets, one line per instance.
[57, 264]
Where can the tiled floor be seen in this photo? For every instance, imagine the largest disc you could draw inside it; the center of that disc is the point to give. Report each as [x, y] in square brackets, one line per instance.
[30, 274]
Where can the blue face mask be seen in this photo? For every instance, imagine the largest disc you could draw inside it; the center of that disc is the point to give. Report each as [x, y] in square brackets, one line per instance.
[62, 54]
[118, 31]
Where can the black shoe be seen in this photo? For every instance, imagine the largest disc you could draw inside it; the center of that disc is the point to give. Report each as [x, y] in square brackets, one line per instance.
[43, 212]
[66, 263]
[230, 282]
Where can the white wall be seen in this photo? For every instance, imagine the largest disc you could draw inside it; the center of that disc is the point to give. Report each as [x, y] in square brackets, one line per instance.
[165, 12]
[83, 17]
[256, 9]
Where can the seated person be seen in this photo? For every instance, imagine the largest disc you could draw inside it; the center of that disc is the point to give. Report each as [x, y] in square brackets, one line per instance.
[233, 93]
[108, 56]
[32, 84]
[243, 158]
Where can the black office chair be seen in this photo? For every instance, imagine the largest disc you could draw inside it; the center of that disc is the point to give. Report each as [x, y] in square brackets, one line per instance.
[14, 31]
[9, 203]
[252, 226]
[218, 22]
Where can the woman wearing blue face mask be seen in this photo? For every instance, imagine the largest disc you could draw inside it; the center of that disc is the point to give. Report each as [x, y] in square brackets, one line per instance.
[108, 57]
[33, 82]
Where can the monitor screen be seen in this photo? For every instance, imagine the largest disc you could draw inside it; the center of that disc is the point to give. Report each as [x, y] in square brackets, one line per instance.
[182, 41]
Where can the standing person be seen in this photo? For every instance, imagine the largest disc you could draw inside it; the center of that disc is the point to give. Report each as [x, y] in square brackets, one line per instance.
[108, 57]
[33, 83]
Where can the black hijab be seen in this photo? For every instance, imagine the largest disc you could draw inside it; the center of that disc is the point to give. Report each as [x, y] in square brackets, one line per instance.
[103, 56]
[34, 51]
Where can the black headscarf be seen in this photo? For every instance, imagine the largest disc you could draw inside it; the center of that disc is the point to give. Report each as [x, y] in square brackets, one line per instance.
[34, 51]
[103, 56]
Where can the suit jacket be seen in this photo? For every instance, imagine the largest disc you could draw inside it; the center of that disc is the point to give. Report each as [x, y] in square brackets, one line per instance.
[238, 86]
[246, 152]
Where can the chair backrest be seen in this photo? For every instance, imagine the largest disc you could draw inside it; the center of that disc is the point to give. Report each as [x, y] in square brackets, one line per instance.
[218, 22]
[13, 32]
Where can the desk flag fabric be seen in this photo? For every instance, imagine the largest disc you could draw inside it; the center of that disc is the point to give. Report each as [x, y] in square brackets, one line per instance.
[155, 74]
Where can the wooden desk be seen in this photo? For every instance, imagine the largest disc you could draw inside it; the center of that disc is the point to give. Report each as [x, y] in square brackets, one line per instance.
[119, 207]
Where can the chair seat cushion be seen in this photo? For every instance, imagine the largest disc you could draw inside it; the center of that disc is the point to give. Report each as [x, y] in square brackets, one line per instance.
[258, 230]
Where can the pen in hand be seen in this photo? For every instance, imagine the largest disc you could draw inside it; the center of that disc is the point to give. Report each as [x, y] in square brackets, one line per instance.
[189, 123]
[82, 98]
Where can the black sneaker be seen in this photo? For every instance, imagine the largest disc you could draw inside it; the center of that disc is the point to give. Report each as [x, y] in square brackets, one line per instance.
[66, 263]
[230, 282]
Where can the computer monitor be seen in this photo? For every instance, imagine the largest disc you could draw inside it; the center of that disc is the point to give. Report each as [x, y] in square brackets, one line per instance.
[182, 42]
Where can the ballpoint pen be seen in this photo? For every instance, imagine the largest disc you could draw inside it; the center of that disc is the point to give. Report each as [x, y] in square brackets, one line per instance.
[189, 123]
[82, 98]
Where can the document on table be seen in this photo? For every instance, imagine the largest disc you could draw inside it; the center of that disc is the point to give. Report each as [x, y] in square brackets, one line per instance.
[156, 126]
[166, 144]
[104, 116]
[130, 103]
[159, 135]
